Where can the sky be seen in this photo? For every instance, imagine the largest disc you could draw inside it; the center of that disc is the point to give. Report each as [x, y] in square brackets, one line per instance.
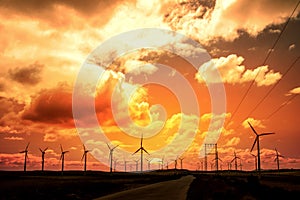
[48, 47]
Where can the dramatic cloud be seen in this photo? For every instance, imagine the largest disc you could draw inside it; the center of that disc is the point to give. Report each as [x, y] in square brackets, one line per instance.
[29, 75]
[226, 19]
[232, 142]
[232, 71]
[51, 106]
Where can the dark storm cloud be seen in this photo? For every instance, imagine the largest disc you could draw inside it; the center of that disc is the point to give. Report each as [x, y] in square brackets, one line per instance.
[29, 75]
[51, 106]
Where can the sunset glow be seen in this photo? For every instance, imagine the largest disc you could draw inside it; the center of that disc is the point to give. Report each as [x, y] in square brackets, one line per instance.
[51, 58]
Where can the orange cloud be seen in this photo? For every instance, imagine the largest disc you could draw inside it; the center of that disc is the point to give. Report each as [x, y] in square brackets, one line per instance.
[294, 91]
[253, 122]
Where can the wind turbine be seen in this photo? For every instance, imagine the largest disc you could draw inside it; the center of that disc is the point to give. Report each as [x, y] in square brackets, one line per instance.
[235, 160]
[62, 158]
[26, 156]
[257, 143]
[167, 165]
[162, 163]
[277, 158]
[142, 150]
[111, 150]
[84, 156]
[149, 163]
[175, 163]
[136, 165]
[255, 157]
[43, 157]
[181, 159]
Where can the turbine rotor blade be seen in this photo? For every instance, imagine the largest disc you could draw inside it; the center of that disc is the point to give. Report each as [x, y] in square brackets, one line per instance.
[108, 146]
[27, 146]
[266, 134]
[252, 128]
[61, 148]
[254, 143]
[46, 149]
[145, 150]
[136, 151]
[115, 147]
[41, 150]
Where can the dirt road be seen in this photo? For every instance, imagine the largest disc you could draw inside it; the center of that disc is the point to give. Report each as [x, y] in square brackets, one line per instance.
[174, 189]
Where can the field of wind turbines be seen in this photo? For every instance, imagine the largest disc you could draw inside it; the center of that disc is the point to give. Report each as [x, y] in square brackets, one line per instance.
[218, 182]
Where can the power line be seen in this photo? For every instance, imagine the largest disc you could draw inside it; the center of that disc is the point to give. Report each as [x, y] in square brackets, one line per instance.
[282, 105]
[264, 62]
[269, 92]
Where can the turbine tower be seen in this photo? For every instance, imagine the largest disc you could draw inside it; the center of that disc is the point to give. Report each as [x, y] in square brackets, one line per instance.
[62, 158]
[257, 143]
[26, 156]
[277, 158]
[43, 157]
[255, 157]
[111, 150]
[142, 150]
[125, 165]
[84, 156]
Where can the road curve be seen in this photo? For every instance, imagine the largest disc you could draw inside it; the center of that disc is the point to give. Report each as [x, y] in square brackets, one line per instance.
[174, 189]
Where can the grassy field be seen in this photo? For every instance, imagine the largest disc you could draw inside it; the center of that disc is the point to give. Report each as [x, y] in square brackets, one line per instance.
[209, 185]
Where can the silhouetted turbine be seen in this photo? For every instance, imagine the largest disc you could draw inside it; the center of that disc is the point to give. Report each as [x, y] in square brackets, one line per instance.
[111, 150]
[84, 156]
[136, 165]
[162, 162]
[235, 160]
[277, 158]
[62, 158]
[149, 162]
[26, 156]
[181, 159]
[257, 142]
[43, 157]
[142, 150]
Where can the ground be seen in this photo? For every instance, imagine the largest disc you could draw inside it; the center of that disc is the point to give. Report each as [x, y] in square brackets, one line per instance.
[210, 185]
